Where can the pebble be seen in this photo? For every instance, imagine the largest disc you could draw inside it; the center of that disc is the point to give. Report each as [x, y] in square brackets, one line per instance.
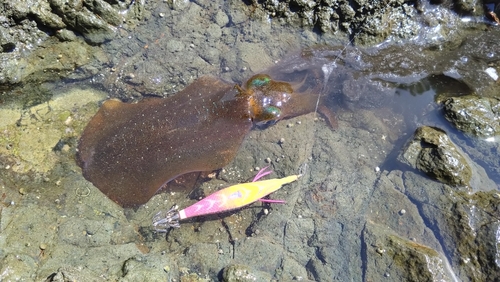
[377, 169]
[403, 211]
[282, 140]
[492, 73]
[266, 211]
[268, 160]
[162, 15]
[43, 246]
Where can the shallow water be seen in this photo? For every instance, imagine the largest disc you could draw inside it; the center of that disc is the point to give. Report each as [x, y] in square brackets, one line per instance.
[355, 214]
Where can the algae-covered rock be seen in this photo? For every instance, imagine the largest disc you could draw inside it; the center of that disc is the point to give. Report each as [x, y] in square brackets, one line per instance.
[30, 136]
[432, 152]
[390, 256]
[474, 115]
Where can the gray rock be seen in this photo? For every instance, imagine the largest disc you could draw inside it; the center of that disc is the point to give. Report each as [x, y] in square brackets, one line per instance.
[242, 273]
[474, 115]
[432, 152]
[465, 224]
[7, 42]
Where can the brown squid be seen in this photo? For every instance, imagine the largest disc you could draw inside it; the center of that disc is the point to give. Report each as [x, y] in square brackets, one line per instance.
[130, 151]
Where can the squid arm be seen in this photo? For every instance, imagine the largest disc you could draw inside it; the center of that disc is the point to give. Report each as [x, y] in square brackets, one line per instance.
[227, 199]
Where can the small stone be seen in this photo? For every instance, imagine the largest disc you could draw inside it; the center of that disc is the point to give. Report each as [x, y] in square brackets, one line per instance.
[22, 191]
[43, 246]
[162, 15]
[266, 211]
[377, 169]
[268, 160]
[403, 211]
[68, 120]
[257, 168]
[282, 140]
[492, 73]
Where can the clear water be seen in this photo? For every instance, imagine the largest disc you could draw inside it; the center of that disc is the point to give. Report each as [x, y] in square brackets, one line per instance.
[340, 217]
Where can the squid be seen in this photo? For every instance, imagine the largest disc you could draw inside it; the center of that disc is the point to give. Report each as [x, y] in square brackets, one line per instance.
[227, 199]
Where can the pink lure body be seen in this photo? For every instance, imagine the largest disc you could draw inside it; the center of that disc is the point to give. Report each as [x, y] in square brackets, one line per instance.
[234, 197]
[229, 198]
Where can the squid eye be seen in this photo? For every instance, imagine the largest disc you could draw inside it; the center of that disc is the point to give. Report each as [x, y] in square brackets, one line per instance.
[272, 112]
[260, 81]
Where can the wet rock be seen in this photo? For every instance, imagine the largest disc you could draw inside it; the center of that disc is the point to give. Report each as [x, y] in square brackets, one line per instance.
[66, 35]
[392, 257]
[366, 22]
[69, 273]
[432, 152]
[467, 225]
[17, 267]
[149, 268]
[254, 55]
[77, 16]
[242, 273]
[7, 42]
[469, 7]
[34, 144]
[55, 60]
[474, 115]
